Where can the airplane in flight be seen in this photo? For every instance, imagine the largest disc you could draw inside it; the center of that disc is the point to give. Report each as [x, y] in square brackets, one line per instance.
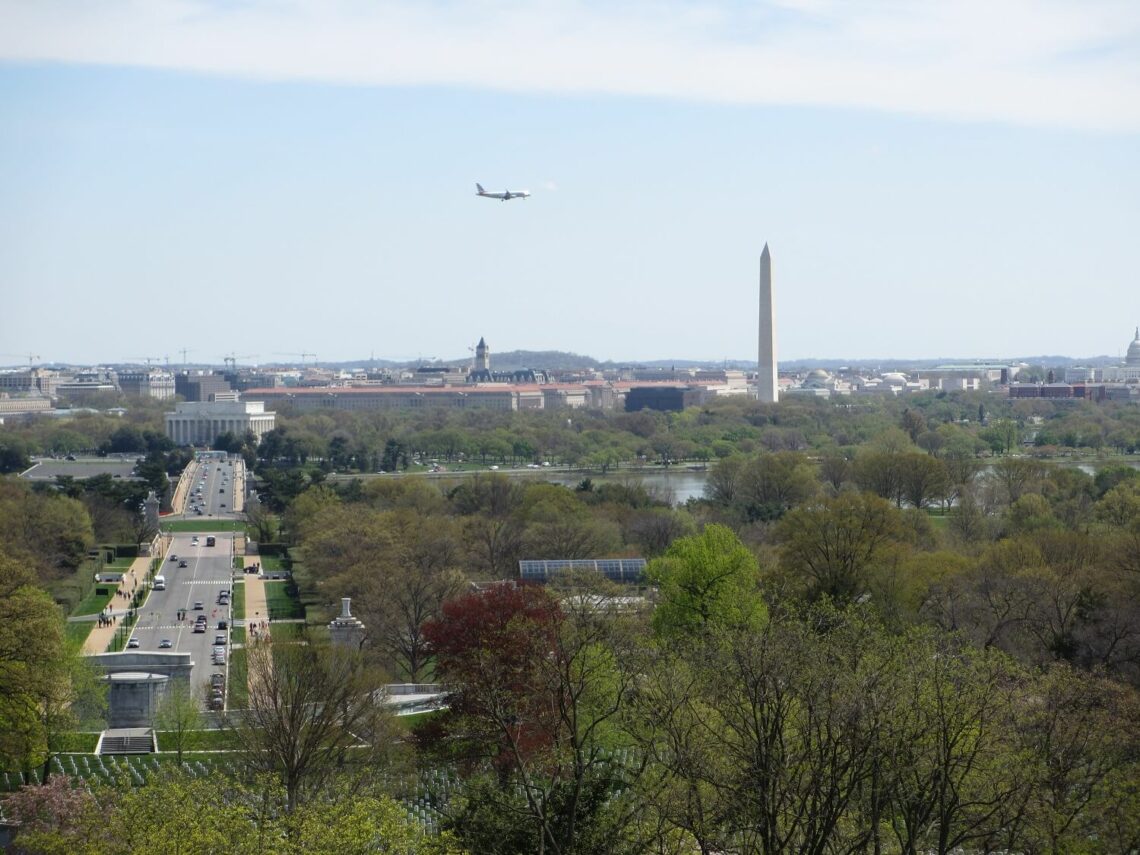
[505, 196]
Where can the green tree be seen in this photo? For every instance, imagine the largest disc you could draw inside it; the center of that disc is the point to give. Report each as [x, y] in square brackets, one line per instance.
[35, 669]
[179, 717]
[836, 544]
[707, 583]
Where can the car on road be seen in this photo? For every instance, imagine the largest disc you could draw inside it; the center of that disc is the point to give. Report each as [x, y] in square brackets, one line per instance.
[223, 624]
[165, 644]
[220, 640]
[198, 605]
[182, 563]
[194, 542]
[217, 680]
[199, 627]
[173, 557]
[132, 642]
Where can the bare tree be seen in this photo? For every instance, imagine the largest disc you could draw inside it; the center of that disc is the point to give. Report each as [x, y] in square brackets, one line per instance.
[313, 710]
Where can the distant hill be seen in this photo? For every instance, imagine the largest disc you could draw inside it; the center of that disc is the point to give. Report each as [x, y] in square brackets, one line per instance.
[560, 360]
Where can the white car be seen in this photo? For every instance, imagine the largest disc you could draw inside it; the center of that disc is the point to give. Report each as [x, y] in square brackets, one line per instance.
[132, 642]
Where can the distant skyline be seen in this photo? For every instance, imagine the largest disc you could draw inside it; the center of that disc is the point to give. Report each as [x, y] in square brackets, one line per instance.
[272, 178]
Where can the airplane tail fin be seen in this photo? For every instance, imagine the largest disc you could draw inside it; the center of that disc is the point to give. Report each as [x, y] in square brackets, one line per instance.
[479, 188]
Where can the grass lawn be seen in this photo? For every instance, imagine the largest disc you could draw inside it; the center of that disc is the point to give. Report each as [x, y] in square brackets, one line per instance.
[238, 603]
[204, 525]
[95, 603]
[237, 635]
[407, 722]
[78, 631]
[286, 631]
[282, 601]
[239, 680]
[271, 563]
[76, 742]
[239, 562]
[197, 740]
[316, 610]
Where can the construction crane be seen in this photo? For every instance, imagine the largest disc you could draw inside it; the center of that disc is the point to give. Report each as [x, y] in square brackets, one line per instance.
[184, 351]
[147, 359]
[302, 355]
[232, 358]
[31, 357]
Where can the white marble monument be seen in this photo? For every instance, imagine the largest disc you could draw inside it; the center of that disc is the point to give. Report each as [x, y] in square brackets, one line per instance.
[767, 389]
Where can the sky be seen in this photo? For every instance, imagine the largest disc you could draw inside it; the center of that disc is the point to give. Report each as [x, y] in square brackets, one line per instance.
[935, 178]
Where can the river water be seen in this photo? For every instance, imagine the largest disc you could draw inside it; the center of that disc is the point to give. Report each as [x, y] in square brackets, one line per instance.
[678, 484]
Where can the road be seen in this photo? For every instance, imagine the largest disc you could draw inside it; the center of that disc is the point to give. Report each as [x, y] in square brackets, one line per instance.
[208, 571]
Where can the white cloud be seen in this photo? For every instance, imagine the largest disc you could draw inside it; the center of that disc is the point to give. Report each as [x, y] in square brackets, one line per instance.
[1073, 63]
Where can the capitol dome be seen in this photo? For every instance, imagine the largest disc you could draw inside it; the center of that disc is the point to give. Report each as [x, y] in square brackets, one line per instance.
[817, 379]
[1133, 357]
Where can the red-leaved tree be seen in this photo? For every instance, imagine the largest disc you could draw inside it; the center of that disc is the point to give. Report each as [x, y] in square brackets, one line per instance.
[490, 646]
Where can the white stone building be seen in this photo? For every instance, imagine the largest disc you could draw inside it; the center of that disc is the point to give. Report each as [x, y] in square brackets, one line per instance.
[202, 422]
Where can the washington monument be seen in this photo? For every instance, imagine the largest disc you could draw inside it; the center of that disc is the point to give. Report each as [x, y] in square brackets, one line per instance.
[766, 388]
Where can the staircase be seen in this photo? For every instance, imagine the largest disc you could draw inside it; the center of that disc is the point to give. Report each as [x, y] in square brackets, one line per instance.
[120, 742]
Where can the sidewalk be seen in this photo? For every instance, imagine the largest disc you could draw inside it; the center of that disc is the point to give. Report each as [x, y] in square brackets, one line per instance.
[239, 486]
[256, 614]
[101, 636]
[178, 501]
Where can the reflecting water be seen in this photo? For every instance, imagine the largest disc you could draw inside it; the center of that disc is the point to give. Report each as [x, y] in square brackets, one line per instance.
[678, 484]
[674, 485]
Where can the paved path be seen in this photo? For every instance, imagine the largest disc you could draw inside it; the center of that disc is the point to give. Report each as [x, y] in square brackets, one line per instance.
[256, 619]
[101, 636]
[239, 486]
[182, 490]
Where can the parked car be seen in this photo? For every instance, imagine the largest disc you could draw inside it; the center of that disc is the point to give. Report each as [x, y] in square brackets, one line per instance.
[223, 624]
[220, 640]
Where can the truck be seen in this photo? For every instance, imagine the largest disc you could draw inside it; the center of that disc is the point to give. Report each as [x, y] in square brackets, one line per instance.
[160, 583]
[210, 540]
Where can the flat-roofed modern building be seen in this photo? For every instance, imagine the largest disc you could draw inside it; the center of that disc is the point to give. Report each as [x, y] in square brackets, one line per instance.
[202, 422]
[200, 386]
[147, 383]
